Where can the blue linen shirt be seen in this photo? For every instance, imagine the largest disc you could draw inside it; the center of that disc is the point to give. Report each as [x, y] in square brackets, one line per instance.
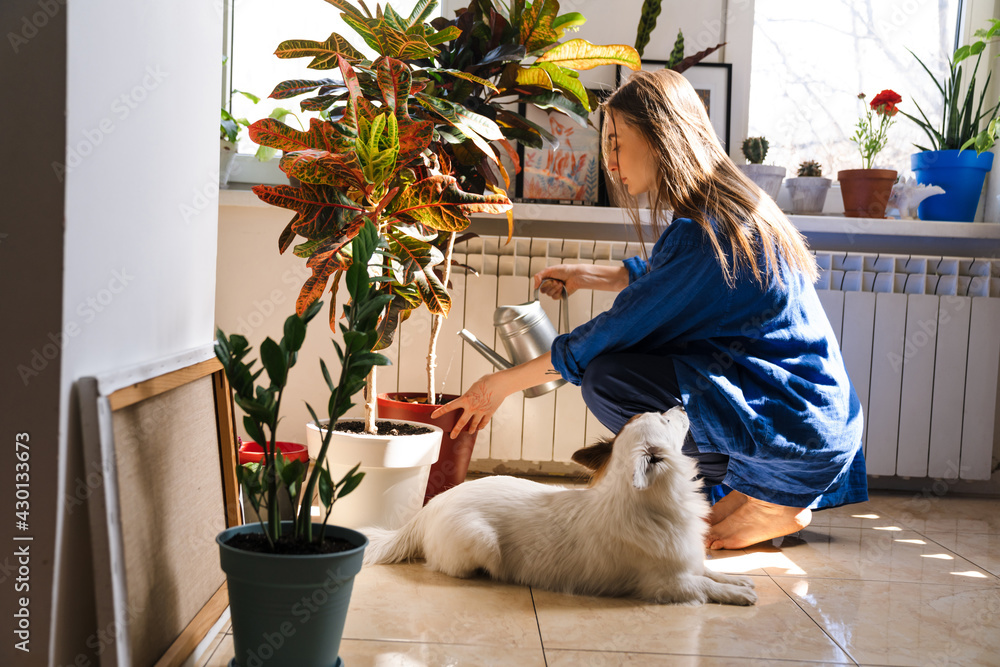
[760, 370]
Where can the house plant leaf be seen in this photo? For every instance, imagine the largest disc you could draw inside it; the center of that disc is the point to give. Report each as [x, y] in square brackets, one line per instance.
[579, 54]
[438, 202]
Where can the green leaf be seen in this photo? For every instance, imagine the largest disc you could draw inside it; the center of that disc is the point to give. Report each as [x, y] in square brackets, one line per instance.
[291, 475]
[255, 410]
[536, 25]
[295, 333]
[445, 35]
[325, 487]
[464, 75]
[295, 87]
[324, 54]
[421, 11]
[569, 20]
[253, 429]
[459, 116]
[562, 78]
[350, 482]
[579, 54]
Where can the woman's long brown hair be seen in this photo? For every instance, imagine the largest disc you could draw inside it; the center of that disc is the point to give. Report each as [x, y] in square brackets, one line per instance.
[697, 180]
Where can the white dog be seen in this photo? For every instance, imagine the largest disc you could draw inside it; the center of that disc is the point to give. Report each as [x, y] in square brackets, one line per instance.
[637, 531]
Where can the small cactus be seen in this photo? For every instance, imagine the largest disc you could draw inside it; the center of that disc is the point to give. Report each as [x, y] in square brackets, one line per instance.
[755, 149]
[810, 168]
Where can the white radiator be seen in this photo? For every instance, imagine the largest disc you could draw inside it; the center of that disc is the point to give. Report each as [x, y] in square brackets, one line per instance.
[920, 338]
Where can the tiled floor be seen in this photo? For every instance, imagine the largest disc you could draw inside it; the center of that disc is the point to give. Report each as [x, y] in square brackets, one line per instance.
[900, 580]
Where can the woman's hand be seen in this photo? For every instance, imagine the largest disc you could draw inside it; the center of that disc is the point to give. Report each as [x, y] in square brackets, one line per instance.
[581, 276]
[478, 404]
[486, 395]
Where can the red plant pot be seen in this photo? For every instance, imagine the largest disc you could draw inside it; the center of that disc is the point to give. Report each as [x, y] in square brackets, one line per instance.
[251, 452]
[453, 462]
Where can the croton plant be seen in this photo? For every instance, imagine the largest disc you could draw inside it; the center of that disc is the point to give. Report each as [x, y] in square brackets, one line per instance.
[411, 139]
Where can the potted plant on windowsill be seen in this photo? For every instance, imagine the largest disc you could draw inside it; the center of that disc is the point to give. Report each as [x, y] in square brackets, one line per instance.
[949, 163]
[866, 191]
[767, 177]
[808, 189]
[272, 565]
[465, 75]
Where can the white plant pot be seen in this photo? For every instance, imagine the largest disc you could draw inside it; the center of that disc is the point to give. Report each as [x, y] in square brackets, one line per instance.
[767, 177]
[808, 193]
[227, 154]
[396, 470]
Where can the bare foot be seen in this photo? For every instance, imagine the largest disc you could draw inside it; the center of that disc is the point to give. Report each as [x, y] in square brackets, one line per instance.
[756, 521]
[725, 506]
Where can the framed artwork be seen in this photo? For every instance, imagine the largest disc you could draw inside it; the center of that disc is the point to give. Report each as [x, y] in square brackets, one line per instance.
[569, 173]
[714, 84]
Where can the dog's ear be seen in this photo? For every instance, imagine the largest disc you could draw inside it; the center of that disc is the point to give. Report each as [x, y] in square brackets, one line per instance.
[595, 456]
[646, 466]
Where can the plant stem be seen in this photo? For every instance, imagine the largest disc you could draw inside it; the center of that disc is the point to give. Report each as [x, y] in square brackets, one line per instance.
[370, 401]
[437, 319]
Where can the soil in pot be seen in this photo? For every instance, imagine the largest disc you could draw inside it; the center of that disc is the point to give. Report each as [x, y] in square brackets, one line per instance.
[383, 428]
[286, 545]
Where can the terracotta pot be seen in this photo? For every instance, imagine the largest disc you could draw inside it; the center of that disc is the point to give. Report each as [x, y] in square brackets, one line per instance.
[453, 462]
[866, 191]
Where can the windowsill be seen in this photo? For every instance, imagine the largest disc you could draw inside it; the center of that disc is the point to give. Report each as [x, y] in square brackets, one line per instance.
[828, 231]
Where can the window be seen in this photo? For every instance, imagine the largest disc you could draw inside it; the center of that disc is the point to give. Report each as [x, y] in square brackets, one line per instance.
[811, 59]
[258, 26]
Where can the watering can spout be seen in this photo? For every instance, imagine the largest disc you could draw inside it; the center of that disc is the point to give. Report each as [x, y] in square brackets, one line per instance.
[493, 357]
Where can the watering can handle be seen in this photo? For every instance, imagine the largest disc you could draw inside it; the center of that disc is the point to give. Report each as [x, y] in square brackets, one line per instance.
[564, 308]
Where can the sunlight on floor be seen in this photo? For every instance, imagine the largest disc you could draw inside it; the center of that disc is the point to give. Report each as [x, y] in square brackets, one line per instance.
[757, 560]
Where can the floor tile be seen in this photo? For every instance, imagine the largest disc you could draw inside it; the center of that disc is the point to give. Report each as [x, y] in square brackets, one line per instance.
[409, 602]
[870, 554]
[221, 653]
[898, 623]
[562, 658]
[982, 549]
[737, 561]
[357, 653]
[775, 628]
[859, 515]
[943, 513]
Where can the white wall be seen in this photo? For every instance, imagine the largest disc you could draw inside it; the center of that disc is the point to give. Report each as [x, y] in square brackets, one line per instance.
[140, 224]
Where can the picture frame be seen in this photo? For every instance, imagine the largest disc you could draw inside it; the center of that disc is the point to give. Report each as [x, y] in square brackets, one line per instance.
[571, 173]
[153, 518]
[714, 84]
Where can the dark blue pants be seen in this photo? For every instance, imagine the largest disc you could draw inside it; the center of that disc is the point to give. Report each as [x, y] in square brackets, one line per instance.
[618, 386]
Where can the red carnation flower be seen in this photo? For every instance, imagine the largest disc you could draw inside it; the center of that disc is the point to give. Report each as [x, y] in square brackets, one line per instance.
[885, 103]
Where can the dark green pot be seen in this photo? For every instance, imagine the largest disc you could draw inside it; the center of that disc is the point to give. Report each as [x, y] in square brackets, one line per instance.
[289, 611]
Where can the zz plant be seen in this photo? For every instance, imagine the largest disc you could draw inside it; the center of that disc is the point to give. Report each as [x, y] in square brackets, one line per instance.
[262, 401]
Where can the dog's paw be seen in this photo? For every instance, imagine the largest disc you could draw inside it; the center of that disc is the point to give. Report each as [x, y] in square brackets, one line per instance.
[747, 597]
[744, 581]
[729, 594]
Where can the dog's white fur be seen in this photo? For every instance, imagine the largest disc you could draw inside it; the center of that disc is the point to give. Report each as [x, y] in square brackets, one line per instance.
[638, 531]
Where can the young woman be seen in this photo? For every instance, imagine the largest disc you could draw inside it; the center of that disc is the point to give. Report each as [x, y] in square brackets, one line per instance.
[721, 317]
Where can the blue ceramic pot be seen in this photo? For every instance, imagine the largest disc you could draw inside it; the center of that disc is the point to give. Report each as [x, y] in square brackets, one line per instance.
[961, 176]
[289, 610]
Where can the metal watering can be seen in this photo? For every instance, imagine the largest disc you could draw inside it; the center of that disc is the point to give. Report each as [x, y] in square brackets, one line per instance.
[527, 333]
